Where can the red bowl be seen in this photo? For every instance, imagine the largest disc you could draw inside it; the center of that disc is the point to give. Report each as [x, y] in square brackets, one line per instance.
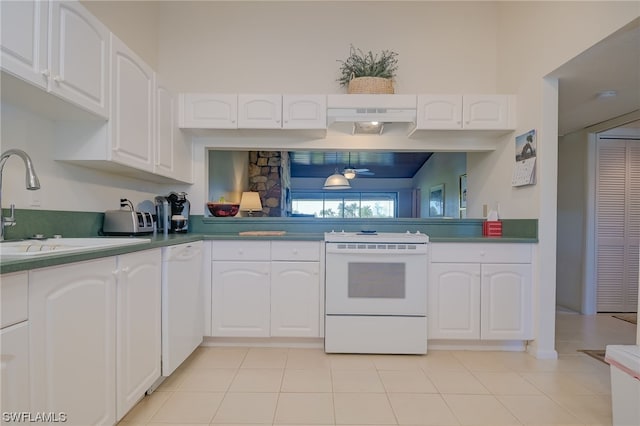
[223, 209]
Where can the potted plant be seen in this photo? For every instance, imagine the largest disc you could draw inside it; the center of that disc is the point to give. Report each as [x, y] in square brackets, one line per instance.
[368, 73]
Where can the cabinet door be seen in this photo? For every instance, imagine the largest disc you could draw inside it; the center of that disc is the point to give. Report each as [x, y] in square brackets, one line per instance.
[138, 319]
[485, 112]
[295, 299]
[208, 111]
[72, 341]
[241, 299]
[259, 111]
[506, 302]
[439, 112]
[79, 57]
[24, 40]
[304, 112]
[173, 151]
[14, 343]
[454, 301]
[132, 109]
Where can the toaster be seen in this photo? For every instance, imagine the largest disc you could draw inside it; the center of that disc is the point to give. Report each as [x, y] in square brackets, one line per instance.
[127, 222]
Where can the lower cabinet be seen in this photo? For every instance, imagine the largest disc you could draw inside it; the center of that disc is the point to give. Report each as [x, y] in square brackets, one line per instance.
[14, 343]
[72, 312]
[94, 331]
[263, 289]
[295, 299]
[477, 300]
[240, 299]
[138, 334]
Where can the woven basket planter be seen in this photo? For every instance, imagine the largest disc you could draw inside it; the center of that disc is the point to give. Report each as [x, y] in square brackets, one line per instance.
[370, 85]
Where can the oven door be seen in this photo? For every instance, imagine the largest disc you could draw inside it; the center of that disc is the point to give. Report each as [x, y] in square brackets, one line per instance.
[389, 279]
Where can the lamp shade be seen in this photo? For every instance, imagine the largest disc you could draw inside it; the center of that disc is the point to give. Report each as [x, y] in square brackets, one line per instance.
[250, 201]
[336, 181]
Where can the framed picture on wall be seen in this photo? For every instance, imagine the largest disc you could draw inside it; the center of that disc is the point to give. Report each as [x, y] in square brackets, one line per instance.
[436, 200]
[462, 195]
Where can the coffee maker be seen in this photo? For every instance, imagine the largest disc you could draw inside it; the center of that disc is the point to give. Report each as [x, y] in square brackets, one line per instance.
[172, 212]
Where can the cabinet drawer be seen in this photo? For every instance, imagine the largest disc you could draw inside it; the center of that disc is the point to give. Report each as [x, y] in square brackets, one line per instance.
[295, 250]
[480, 253]
[14, 300]
[240, 250]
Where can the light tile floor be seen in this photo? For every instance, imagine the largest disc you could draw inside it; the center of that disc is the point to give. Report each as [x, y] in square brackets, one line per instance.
[274, 386]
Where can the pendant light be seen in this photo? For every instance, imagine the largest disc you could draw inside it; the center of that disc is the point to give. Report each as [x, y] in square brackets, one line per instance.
[336, 181]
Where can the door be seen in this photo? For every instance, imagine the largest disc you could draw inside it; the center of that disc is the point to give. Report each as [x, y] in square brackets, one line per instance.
[485, 112]
[72, 341]
[241, 299]
[454, 301]
[138, 327]
[304, 111]
[14, 343]
[208, 111]
[133, 105]
[439, 112]
[24, 40]
[617, 224]
[295, 299]
[79, 57]
[259, 111]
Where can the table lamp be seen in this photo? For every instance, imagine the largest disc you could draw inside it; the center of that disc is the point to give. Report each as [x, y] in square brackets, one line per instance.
[250, 202]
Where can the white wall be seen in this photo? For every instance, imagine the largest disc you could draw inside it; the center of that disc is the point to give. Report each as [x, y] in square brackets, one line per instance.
[441, 168]
[134, 22]
[64, 186]
[572, 210]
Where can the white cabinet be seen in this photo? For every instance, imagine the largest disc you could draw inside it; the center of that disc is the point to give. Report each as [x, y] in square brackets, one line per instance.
[25, 28]
[304, 111]
[266, 288]
[259, 111]
[173, 151]
[295, 289]
[132, 109]
[240, 296]
[72, 341]
[454, 301]
[208, 111]
[469, 112]
[138, 322]
[480, 291]
[251, 111]
[76, 68]
[14, 344]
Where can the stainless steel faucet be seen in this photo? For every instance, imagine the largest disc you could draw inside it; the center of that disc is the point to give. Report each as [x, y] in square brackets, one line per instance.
[32, 180]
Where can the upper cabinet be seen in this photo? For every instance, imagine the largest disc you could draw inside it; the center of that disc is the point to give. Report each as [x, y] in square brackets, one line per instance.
[468, 112]
[132, 110]
[259, 111]
[304, 111]
[252, 111]
[208, 111]
[60, 47]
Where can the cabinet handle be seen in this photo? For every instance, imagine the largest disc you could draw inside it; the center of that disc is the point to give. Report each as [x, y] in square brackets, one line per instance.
[46, 74]
[125, 269]
[482, 253]
[58, 79]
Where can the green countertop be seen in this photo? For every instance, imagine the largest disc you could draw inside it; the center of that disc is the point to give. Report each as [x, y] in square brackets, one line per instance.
[14, 264]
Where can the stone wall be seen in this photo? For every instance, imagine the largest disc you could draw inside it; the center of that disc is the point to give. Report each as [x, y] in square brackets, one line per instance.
[270, 176]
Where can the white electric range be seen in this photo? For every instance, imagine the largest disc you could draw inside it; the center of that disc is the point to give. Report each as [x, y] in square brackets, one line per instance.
[376, 292]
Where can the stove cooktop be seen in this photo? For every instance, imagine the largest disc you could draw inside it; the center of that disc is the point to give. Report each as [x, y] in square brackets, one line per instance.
[371, 236]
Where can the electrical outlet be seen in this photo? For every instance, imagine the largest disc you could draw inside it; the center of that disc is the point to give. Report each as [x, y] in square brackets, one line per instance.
[35, 199]
[485, 210]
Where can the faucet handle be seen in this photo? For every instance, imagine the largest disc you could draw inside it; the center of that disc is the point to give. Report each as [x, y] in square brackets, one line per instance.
[10, 220]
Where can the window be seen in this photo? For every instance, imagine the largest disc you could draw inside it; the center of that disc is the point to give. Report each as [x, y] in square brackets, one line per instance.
[345, 204]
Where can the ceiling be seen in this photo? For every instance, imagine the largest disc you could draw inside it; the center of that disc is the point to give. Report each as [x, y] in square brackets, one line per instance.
[611, 65]
[382, 164]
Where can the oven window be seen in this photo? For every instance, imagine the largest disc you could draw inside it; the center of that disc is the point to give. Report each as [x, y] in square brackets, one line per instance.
[376, 280]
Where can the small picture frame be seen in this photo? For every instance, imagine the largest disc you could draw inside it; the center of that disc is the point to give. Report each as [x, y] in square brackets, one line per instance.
[436, 201]
[462, 195]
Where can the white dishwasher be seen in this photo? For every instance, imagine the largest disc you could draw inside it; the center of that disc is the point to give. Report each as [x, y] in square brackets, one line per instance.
[182, 311]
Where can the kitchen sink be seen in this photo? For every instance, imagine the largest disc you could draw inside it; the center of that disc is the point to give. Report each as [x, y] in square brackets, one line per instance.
[50, 246]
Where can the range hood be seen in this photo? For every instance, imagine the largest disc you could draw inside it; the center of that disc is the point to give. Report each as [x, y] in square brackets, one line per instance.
[386, 110]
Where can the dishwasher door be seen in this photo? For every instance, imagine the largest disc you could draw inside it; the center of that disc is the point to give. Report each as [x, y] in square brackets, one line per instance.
[182, 311]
